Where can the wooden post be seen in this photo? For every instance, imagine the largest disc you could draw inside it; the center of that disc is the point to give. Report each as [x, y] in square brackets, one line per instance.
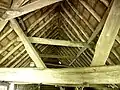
[11, 86]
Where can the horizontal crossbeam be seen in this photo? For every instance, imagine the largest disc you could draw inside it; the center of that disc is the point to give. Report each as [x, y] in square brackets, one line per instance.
[66, 76]
[56, 42]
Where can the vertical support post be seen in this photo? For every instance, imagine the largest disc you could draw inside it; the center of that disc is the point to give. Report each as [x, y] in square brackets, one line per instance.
[12, 86]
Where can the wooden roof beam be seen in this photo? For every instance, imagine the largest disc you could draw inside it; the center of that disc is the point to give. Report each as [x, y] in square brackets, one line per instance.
[41, 55]
[95, 33]
[55, 56]
[108, 35]
[103, 53]
[116, 54]
[15, 57]
[42, 17]
[28, 46]
[90, 9]
[27, 16]
[57, 65]
[56, 42]
[14, 5]
[75, 22]
[28, 8]
[50, 34]
[26, 59]
[19, 60]
[18, 3]
[2, 25]
[105, 2]
[43, 25]
[26, 64]
[10, 53]
[118, 39]
[95, 75]
[97, 86]
[6, 34]
[68, 32]
[80, 16]
[74, 28]
[8, 45]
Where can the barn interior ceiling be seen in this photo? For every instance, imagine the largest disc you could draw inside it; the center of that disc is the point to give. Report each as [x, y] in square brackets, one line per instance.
[60, 34]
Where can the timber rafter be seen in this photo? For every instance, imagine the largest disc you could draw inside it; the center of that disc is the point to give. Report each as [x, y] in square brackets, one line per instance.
[60, 31]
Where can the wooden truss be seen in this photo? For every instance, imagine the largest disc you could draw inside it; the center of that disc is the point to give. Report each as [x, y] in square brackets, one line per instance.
[14, 24]
[66, 76]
